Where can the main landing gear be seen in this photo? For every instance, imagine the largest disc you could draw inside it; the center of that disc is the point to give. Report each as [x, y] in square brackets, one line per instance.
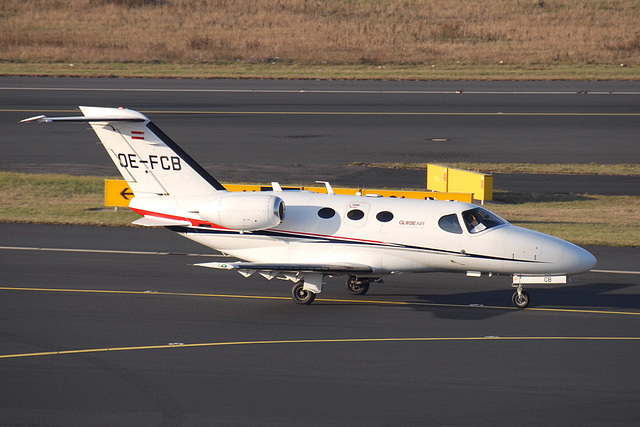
[301, 295]
[305, 293]
[358, 285]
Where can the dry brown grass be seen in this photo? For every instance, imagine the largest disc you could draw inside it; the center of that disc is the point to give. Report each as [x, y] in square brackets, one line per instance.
[625, 169]
[367, 32]
[584, 220]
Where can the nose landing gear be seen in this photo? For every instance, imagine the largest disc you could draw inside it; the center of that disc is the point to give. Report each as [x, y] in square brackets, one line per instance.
[520, 297]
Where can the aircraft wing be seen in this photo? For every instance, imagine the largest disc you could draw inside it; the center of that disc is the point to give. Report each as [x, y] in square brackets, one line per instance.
[251, 267]
[154, 221]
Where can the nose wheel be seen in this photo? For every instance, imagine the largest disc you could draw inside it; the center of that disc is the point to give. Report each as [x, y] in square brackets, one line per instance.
[520, 297]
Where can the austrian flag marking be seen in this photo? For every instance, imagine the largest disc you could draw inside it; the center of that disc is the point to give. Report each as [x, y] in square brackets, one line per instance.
[136, 134]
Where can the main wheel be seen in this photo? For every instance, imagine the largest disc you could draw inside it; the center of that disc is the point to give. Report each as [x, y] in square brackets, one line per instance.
[357, 286]
[301, 295]
[522, 300]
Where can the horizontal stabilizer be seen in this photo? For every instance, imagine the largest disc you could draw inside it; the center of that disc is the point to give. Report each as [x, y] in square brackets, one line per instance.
[150, 161]
[155, 221]
[292, 267]
[45, 119]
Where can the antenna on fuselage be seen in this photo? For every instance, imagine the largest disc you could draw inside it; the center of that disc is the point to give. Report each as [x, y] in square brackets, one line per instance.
[326, 184]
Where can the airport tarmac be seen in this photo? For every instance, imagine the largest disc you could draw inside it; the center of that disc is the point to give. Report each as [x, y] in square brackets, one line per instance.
[297, 132]
[114, 326]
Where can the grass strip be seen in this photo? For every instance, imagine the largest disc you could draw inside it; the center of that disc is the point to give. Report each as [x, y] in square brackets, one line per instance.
[582, 219]
[57, 199]
[524, 168]
[244, 70]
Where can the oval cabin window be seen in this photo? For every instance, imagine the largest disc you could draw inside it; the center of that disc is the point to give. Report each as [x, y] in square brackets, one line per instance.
[326, 213]
[384, 216]
[355, 214]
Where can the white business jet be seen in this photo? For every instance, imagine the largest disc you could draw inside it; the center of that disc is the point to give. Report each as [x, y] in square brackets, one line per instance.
[304, 236]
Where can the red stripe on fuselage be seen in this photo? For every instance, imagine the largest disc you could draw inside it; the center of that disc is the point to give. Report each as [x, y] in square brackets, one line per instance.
[200, 223]
[194, 222]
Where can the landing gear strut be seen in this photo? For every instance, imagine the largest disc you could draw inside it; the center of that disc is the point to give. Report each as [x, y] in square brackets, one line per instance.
[301, 295]
[520, 297]
[358, 286]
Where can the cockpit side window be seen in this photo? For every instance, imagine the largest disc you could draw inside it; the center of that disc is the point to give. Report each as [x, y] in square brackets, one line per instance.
[450, 223]
[478, 219]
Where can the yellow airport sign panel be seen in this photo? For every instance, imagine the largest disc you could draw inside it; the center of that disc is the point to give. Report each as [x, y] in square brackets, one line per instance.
[243, 187]
[400, 194]
[437, 178]
[442, 178]
[117, 193]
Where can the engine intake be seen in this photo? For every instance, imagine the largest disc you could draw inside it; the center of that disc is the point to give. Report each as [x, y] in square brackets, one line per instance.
[246, 212]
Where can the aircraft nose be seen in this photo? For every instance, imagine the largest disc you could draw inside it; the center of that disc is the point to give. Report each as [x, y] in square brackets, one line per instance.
[557, 256]
[577, 259]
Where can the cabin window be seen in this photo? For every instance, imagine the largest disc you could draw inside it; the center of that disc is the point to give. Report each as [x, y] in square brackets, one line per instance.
[478, 219]
[450, 224]
[384, 216]
[326, 213]
[355, 214]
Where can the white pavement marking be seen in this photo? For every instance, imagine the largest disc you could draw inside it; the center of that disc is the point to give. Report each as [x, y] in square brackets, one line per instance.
[614, 272]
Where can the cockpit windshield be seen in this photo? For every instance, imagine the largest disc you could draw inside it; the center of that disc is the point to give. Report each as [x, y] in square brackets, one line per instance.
[478, 220]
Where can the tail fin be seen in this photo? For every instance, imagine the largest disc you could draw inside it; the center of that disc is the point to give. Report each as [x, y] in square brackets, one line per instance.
[146, 157]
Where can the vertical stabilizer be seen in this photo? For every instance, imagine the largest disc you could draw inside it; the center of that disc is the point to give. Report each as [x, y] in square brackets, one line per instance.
[145, 156]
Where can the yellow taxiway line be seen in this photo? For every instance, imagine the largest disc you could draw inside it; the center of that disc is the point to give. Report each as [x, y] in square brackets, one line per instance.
[334, 300]
[312, 341]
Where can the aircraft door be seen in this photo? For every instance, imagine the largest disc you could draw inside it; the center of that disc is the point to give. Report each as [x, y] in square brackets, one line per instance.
[356, 214]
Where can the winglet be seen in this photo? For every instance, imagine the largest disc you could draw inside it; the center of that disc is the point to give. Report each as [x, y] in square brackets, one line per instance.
[40, 118]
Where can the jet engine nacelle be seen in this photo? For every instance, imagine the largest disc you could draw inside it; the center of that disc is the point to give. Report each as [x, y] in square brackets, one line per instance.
[246, 212]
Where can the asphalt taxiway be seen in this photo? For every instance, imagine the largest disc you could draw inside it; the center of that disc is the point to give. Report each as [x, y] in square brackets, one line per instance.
[115, 326]
[271, 130]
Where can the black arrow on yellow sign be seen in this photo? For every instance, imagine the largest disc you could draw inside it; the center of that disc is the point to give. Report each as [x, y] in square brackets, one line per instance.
[125, 193]
[117, 193]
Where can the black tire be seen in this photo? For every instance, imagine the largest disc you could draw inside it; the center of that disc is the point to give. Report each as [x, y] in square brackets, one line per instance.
[357, 287]
[302, 296]
[520, 301]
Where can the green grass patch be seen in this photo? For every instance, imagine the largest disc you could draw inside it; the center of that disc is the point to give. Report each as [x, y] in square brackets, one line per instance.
[57, 199]
[528, 168]
[582, 219]
[292, 70]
